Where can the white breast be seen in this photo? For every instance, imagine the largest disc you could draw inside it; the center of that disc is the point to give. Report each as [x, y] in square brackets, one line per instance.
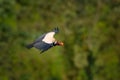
[49, 38]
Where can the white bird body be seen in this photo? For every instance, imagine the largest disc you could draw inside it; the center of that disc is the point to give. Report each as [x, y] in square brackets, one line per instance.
[49, 38]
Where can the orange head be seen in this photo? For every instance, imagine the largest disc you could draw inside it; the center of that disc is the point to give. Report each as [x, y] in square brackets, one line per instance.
[60, 43]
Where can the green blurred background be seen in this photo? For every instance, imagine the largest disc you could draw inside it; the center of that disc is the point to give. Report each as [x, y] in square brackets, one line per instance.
[90, 30]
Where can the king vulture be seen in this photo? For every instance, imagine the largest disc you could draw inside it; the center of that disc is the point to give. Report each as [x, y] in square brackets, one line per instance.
[46, 41]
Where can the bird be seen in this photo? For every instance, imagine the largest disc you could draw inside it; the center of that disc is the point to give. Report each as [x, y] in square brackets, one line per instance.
[46, 41]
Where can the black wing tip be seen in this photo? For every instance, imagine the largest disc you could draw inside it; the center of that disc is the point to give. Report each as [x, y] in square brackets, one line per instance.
[56, 30]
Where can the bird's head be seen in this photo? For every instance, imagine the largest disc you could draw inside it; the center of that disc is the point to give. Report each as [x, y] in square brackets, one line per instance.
[58, 43]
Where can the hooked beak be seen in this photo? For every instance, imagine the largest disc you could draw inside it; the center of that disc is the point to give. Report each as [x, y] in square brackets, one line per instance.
[60, 43]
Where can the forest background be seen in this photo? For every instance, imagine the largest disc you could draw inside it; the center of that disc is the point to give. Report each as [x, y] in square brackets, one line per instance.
[90, 30]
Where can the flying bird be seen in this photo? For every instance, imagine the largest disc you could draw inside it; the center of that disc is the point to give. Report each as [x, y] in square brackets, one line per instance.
[46, 41]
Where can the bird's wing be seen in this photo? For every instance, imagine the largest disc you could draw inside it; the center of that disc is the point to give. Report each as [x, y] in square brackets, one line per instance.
[40, 38]
[49, 37]
[56, 30]
[42, 46]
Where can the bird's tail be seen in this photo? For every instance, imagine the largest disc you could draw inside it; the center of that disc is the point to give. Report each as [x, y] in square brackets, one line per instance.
[29, 46]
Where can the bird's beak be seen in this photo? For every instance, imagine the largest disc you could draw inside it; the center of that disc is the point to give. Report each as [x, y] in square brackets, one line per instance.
[60, 43]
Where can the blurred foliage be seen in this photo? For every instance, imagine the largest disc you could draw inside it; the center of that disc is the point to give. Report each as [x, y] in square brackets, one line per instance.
[90, 30]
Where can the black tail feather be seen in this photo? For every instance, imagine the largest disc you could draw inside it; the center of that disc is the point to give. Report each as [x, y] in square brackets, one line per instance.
[29, 46]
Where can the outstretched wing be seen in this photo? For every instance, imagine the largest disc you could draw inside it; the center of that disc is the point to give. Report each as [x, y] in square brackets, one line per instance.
[40, 38]
[56, 30]
[49, 37]
[42, 46]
